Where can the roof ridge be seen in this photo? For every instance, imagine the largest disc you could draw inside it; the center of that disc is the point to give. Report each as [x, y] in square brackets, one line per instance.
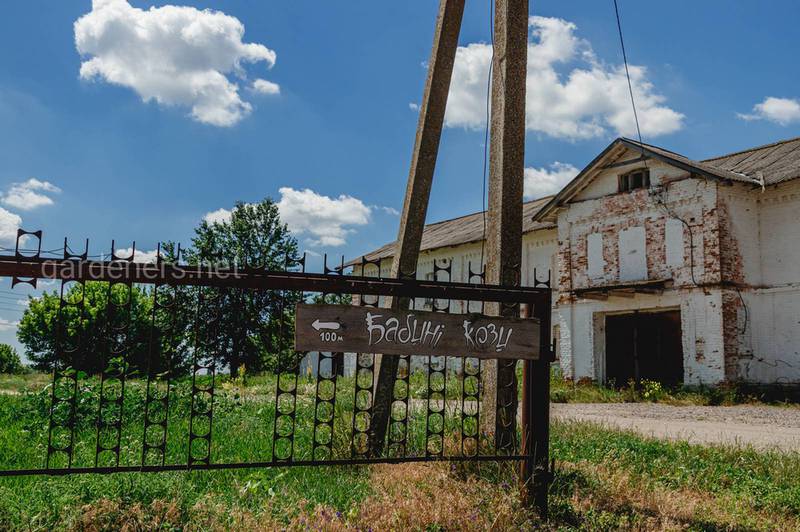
[645, 144]
[549, 197]
[755, 148]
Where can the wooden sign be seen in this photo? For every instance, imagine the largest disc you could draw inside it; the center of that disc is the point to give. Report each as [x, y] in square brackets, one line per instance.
[351, 329]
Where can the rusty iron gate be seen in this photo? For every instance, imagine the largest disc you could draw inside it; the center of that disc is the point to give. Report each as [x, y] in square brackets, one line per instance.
[180, 406]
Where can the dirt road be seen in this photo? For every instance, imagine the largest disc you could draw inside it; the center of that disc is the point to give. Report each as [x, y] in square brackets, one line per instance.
[763, 427]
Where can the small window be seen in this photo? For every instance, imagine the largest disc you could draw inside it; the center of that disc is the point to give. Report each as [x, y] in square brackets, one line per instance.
[633, 180]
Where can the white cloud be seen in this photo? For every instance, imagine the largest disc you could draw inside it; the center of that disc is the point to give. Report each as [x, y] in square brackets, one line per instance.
[6, 325]
[263, 86]
[29, 194]
[414, 107]
[390, 210]
[783, 111]
[541, 182]
[218, 216]
[139, 256]
[325, 219]
[9, 223]
[174, 55]
[585, 102]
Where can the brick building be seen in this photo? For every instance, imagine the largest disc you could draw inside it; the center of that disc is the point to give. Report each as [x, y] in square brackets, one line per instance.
[663, 267]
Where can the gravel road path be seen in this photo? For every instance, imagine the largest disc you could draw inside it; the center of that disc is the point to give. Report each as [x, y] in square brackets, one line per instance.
[763, 427]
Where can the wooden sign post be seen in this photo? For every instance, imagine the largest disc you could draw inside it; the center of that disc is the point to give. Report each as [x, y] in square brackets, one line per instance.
[351, 329]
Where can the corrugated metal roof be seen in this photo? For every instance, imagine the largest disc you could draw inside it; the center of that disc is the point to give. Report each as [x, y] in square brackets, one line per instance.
[462, 230]
[778, 162]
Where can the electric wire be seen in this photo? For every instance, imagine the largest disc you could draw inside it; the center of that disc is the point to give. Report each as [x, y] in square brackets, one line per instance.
[484, 207]
[660, 198]
[628, 76]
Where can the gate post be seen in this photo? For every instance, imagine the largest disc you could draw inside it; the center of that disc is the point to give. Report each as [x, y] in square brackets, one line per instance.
[535, 472]
[504, 214]
[418, 190]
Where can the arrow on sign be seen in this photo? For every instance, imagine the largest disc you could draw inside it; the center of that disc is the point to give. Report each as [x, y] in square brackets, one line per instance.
[332, 325]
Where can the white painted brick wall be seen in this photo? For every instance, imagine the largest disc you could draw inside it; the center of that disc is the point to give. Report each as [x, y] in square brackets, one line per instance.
[766, 231]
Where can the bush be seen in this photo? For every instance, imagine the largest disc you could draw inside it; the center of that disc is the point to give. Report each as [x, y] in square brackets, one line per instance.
[652, 390]
[9, 360]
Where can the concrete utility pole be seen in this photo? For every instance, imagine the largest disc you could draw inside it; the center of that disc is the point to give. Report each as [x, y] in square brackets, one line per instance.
[415, 205]
[504, 232]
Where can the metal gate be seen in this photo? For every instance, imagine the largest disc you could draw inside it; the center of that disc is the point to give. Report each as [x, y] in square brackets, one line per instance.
[166, 396]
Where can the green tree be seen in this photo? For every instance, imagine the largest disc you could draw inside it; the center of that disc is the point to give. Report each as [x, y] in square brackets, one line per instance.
[9, 360]
[232, 327]
[83, 339]
[254, 327]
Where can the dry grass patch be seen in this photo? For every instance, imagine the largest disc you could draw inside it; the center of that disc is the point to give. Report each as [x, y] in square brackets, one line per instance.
[404, 497]
[425, 497]
[604, 496]
[105, 515]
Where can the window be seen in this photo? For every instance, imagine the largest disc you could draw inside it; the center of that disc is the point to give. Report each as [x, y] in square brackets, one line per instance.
[633, 180]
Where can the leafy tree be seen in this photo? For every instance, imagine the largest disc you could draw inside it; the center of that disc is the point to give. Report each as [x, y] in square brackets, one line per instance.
[232, 327]
[89, 329]
[253, 327]
[9, 360]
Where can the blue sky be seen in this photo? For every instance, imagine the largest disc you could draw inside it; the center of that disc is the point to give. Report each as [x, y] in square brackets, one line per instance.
[334, 115]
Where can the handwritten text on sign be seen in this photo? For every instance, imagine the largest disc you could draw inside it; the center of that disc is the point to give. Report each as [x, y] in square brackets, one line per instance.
[351, 329]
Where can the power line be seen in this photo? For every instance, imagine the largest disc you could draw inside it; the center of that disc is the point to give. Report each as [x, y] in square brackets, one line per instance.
[628, 75]
[486, 134]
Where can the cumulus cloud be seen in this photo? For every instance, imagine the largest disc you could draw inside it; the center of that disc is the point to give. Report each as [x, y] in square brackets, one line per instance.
[139, 255]
[174, 55]
[587, 101]
[263, 86]
[9, 223]
[324, 219]
[391, 211]
[7, 325]
[541, 182]
[29, 194]
[218, 216]
[783, 111]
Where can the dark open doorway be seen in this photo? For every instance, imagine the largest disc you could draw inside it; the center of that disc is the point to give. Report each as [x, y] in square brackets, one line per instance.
[644, 345]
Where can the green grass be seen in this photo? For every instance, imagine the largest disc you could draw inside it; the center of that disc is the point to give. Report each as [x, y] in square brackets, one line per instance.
[10, 384]
[604, 479]
[244, 417]
[681, 465]
[741, 481]
[243, 424]
[567, 391]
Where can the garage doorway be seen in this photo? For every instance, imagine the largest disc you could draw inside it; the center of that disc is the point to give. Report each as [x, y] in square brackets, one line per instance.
[644, 345]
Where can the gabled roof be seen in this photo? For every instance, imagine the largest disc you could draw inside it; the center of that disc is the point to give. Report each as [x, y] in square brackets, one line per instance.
[777, 162]
[461, 230]
[774, 163]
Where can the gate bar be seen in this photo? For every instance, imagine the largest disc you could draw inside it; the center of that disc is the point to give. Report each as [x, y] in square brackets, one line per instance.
[192, 275]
